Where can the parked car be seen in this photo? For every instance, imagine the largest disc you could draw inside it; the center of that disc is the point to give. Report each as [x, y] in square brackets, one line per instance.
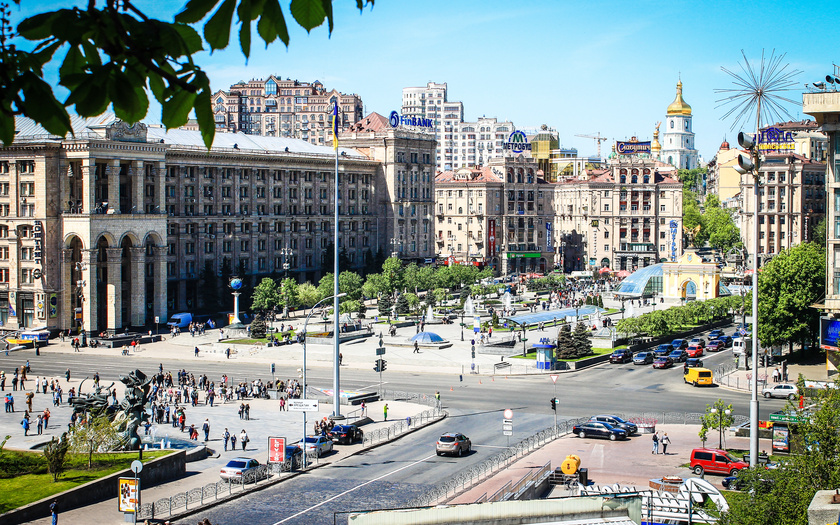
[698, 376]
[714, 334]
[320, 445]
[692, 362]
[714, 346]
[453, 443]
[239, 469]
[787, 390]
[663, 362]
[694, 351]
[617, 422]
[599, 429]
[725, 340]
[345, 434]
[643, 358]
[678, 356]
[679, 344]
[294, 457]
[698, 341]
[715, 461]
[621, 356]
[663, 350]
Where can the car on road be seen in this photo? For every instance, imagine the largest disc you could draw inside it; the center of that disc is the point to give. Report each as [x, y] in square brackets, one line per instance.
[714, 334]
[599, 429]
[694, 351]
[679, 344]
[294, 457]
[622, 355]
[692, 362]
[663, 350]
[643, 358]
[678, 356]
[714, 346]
[239, 469]
[617, 422]
[345, 434]
[698, 341]
[453, 443]
[698, 376]
[782, 390]
[319, 445]
[715, 461]
[725, 340]
[663, 362]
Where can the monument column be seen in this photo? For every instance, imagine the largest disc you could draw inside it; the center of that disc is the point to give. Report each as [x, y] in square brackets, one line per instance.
[160, 283]
[114, 289]
[90, 311]
[66, 316]
[137, 308]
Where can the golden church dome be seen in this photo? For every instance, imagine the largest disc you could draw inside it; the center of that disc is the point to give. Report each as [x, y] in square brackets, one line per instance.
[679, 106]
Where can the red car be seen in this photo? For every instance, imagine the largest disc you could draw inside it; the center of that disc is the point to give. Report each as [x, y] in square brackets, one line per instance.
[663, 362]
[715, 346]
[694, 351]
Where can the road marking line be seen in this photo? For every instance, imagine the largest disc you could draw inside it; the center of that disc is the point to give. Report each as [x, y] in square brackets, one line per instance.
[372, 386]
[489, 446]
[354, 488]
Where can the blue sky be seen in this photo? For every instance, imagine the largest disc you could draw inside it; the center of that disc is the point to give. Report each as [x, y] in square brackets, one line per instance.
[581, 67]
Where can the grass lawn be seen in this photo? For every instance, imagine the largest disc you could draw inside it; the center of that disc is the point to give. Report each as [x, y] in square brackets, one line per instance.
[25, 478]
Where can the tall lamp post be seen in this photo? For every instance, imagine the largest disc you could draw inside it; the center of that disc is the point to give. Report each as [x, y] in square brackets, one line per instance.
[306, 322]
[726, 412]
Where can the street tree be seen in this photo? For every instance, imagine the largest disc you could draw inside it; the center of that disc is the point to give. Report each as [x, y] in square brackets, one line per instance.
[392, 273]
[307, 295]
[55, 452]
[716, 418]
[582, 340]
[565, 344]
[265, 295]
[375, 285]
[116, 54]
[789, 284]
[287, 293]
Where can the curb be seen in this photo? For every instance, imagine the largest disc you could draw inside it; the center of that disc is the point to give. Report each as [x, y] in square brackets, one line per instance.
[291, 475]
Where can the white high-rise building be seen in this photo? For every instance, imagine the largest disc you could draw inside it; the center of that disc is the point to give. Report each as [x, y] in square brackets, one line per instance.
[678, 138]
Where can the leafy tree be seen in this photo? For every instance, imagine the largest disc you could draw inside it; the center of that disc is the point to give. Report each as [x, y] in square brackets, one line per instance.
[375, 285]
[716, 418]
[348, 307]
[258, 327]
[361, 311]
[392, 273]
[413, 301]
[582, 340]
[791, 282]
[351, 284]
[287, 294]
[55, 452]
[98, 434]
[116, 52]
[718, 228]
[692, 179]
[307, 295]
[265, 296]
[818, 235]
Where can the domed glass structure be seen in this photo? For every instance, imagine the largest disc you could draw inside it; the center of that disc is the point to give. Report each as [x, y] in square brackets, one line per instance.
[647, 282]
[427, 337]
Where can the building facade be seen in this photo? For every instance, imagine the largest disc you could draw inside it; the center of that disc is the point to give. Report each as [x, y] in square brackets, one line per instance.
[122, 224]
[274, 107]
[678, 138]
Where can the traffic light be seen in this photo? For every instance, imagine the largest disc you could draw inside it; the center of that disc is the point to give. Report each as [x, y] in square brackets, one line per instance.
[473, 350]
[383, 364]
[376, 367]
[745, 164]
[553, 403]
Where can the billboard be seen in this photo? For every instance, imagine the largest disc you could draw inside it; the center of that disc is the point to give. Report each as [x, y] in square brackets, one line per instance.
[276, 449]
[491, 233]
[129, 495]
[632, 148]
[829, 333]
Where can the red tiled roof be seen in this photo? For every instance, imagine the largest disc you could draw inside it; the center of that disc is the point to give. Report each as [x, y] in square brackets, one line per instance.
[479, 175]
[373, 122]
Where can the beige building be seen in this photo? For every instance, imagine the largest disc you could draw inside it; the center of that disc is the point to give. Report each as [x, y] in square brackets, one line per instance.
[274, 107]
[122, 224]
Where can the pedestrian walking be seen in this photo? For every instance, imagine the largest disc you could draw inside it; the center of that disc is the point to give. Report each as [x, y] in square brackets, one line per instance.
[247, 412]
[227, 353]
[282, 404]
[67, 375]
[196, 351]
[226, 438]
[363, 406]
[655, 443]
[46, 418]
[206, 428]
[385, 411]
[243, 439]
[437, 399]
[54, 512]
[25, 423]
[665, 442]
[416, 347]
[233, 442]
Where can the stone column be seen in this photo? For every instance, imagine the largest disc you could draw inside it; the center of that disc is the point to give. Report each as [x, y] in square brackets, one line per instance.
[114, 289]
[88, 185]
[90, 318]
[138, 178]
[160, 283]
[138, 287]
[66, 313]
[160, 186]
[113, 174]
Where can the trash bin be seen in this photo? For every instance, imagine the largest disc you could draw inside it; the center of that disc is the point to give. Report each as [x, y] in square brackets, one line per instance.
[583, 476]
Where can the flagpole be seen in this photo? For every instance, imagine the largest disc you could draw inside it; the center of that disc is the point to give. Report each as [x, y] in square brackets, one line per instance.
[336, 380]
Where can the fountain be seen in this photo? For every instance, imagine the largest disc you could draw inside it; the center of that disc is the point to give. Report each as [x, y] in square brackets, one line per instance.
[469, 309]
[430, 314]
[630, 312]
[507, 300]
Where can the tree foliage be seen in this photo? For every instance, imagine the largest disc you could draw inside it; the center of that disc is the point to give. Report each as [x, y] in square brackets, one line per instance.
[565, 344]
[55, 452]
[582, 340]
[97, 434]
[789, 284]
[307, 295]
[115, 53]
[716, 419]
[258, 327]
[265, 296]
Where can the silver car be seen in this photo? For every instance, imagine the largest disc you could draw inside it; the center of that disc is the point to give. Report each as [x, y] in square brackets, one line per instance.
[242, 470]
[318, 445]
[453, 443]
[782, 390]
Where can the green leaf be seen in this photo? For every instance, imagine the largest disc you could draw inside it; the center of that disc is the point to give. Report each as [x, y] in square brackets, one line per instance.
[326, 5]
[244, 12]
[40, 27]
[90, 95]
[308, 13]
[157, 86]
[195, 10]
[7, 128]
[191, 38]
[42, 107]
[129, 100]
[217, 29]
[72, 68]
[204, 116]
[272, 24]
[176, 110]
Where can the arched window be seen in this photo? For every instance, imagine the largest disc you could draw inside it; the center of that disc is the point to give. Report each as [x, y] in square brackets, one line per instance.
[670, 160]
[460, 210]
[622, 177]
[530, 176]
[672, 124]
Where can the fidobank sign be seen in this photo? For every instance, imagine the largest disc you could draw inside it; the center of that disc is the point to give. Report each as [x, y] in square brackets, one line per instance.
[396, 121]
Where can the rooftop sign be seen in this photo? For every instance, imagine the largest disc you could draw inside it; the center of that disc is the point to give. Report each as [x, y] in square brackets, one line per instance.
[396, 121]
[632, 148]
[517, 142]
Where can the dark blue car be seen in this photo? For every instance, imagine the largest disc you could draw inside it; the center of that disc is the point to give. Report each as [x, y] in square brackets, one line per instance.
[679, 344]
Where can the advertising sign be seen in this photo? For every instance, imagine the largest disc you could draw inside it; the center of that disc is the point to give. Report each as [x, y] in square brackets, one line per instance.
[302, 405]
[396, 121]
[549, 242]
[774, 140]
[829, 334]
[517, 142]
[129, 495]
[276, 449]
[674, 227]
[632, 148]
[491, 233]
[781, 438]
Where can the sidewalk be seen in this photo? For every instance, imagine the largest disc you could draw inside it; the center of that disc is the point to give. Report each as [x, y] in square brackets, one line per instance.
[741, 380]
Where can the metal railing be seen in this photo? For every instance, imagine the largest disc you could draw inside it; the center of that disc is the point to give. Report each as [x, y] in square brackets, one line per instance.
[401, 426]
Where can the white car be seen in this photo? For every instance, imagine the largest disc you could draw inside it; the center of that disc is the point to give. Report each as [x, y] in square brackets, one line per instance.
[242, 470]
[783, 390]
[319, 445]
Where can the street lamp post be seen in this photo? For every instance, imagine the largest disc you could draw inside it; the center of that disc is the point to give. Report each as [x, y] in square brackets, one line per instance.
[726, 412]
[462, 325]
[305, 339]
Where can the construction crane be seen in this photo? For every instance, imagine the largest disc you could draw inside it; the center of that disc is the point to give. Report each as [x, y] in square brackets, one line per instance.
[598, 140]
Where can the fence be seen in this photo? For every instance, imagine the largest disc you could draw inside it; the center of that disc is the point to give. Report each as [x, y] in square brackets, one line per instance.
[194, 498]
[472, 476]
[725, 375]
